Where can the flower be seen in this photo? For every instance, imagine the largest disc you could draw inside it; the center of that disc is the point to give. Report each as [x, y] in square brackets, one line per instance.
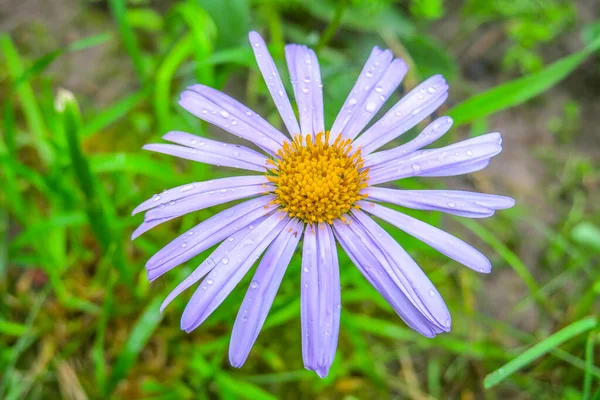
[320, 186]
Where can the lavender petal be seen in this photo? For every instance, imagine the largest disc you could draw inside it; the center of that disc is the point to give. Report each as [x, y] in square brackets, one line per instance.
[272, 78]
[192, 189]
[443, 242]
[207, 234]
[231, 269]
[430, 134]
[262, 291]
[409, 111]
[230, 116]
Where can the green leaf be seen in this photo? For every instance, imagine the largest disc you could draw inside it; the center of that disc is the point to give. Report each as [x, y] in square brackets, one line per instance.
[520, 90]
[538, 350]
[587, 234]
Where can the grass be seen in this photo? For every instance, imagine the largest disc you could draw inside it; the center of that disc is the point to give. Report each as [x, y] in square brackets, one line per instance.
[78, 318]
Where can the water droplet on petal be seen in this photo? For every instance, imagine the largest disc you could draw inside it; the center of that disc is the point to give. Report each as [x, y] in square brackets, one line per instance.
[368, 74]
[225, 261]
[254, 285]
[370, 107]
[184, 245]
[451, 204]
[352, 101]
[209, 281]
[304, 90]
[224, 114]
[416, 168]
[379, 89]
[469, 153]
[431, 293]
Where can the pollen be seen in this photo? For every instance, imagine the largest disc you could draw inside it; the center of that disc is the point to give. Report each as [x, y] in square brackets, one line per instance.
[316, 180]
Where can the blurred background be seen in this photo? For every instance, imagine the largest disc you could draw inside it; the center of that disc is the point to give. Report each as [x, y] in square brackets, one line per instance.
[85, 83]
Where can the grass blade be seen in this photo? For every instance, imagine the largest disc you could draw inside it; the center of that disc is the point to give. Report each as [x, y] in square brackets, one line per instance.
[519, 90]
[539, 350]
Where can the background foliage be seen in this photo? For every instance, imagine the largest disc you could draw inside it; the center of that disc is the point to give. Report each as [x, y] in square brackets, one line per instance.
[78, 318]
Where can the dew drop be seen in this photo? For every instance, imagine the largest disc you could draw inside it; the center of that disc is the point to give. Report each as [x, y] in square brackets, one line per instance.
[254, 285]
[209, 281]
[352, 101]
[447, 323]
[368, 74]
[224, 114]
[251, 227]
[416, 168]
[280, 93]
[370, 107]
[416, 111]
[256, 44]
[431, 293]
[223, 190]
[193, 141]
[244, 318]
[184, 245]
[225, 261]
[379, 89]
[431, 89]
[451, 204]
[304, 90]
[469, 153]
[230, 239]
[191, 233]
[305, 269]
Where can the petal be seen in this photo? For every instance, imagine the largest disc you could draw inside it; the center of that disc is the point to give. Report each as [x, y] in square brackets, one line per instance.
[192, 189]
[374, 68]
[274, 84]
[460, 170]
[210, 263]
[306, 80]
[376, 98]
[466, 204]
[230, 270]
[206, 157]
[236, 151]
[147, 225]
[443, 242]
[431, 161]
[260, 295]
[207, 234]
[372, 264]
[205, 200]
[408, 112]
[231, 116]
[418, 288]
[430, 134]
[319, 298]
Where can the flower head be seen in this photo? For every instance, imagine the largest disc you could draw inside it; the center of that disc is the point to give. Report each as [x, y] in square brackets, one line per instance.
[318, 186]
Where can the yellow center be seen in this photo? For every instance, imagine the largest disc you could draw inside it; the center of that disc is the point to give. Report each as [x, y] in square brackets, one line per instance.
[317, 181]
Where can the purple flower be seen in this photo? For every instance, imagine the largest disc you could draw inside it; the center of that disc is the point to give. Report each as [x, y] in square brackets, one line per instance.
[318, 186]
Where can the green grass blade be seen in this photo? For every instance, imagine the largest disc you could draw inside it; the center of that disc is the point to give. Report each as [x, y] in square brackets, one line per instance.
[119, 12]
[589, 364]
[140, 334]
[113, 113]
[519, 90]
[539, 350]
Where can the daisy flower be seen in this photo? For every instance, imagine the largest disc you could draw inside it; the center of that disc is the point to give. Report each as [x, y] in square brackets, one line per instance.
[320, 187]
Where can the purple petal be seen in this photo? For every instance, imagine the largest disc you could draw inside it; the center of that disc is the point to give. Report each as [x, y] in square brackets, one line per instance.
[207, 234]
[461, 170]
[372, 264]
[431, 161]
[377, 96]
[306, 80]
[430, 134]
[319, 298]
[408, 112]
[235, 151]
[466, 204]
[407, 274]
[230, 270]
[443, 242]
[147, 225]
[205, 200]
[273, 80]
[207, 157]
[231, 116]
[260, 295]
[374, 68]
[210, 263]
[192, 189]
